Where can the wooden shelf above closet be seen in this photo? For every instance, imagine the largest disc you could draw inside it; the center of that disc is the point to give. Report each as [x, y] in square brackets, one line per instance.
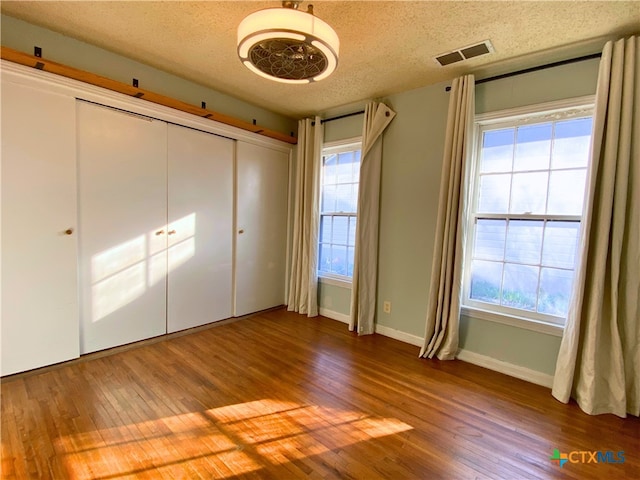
[93, 79]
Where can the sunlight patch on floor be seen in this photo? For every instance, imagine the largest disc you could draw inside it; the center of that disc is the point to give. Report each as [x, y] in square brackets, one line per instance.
[223, 442]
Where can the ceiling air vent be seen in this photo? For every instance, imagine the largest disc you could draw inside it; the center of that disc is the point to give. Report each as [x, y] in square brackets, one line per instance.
[465, 53]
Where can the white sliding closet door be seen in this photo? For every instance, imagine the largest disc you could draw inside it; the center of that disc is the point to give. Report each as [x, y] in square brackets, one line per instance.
[39, 255]
[200, 228]
[261, 236]
[122, 185]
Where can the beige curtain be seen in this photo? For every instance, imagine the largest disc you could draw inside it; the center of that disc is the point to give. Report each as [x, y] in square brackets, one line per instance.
[599, 359]
[303, 283]
[377, 117]
[443, 310]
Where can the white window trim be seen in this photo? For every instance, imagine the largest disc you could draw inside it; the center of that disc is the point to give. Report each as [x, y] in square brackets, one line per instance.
[335, 280]
[535, 322]
[338, 146]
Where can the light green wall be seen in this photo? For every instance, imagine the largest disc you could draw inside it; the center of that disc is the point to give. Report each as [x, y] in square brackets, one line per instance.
[558, 83]
[412, 161]
[334, 298]
[23, 36]
[343, 128]
[533, 350]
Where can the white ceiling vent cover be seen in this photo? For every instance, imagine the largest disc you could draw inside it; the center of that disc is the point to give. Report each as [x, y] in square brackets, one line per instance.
[465, 53]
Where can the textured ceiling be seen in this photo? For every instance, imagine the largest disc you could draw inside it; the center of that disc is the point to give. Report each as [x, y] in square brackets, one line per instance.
[385, 46]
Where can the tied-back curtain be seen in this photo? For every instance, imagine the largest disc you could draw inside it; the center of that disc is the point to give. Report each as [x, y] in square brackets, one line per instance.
[377, 117]
[599, 359]
[443, 310]
[303, 283]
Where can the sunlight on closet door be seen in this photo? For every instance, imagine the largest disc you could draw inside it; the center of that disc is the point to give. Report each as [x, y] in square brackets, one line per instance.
[123, 273]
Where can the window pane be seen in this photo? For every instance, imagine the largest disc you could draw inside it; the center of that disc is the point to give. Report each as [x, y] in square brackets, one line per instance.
[324, 258]
[533, 147]
[340, 230]
[339, 260]
[560, 244]
[338, 206]
[345, 198]
[529, 192]
[325, 229]
[489, 241]
[485, 281]
[566, 192]
[555, 291]
[352, 230]
[328, 198]
[571, 143]
[497, 151]
[520, 286]
[494, 193]
[524, 241]
[329, 170]
[345, 167]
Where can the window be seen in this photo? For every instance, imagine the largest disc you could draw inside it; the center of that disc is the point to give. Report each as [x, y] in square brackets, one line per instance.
[339, 179]
[529, 175]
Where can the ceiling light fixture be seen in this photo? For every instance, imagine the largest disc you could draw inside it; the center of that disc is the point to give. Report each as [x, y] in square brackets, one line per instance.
[288, 45]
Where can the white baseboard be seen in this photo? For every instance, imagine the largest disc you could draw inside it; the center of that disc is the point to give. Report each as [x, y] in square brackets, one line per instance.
[399, 335]
[510, 369]
[341, 317]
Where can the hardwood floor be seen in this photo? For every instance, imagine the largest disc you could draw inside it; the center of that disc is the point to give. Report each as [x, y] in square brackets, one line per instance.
[281, 396]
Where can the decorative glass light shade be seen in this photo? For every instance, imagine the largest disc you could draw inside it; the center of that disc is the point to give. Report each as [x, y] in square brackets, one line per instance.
[287, 45]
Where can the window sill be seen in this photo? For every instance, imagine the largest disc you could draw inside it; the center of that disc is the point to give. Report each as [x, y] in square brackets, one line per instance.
[336, 282]
[533, 325]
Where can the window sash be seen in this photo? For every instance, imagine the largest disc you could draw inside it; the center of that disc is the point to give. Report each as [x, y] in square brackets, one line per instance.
[348, 246]
[512, 120]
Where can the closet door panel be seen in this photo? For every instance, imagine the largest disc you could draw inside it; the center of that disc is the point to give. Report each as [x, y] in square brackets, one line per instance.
[39, 258]
[200, 228]
[261, 236]
[122, 182]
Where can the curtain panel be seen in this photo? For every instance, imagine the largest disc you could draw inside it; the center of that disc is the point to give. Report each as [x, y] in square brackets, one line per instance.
[377, 117]
[303, 282]
[599, 359]
[445, 290]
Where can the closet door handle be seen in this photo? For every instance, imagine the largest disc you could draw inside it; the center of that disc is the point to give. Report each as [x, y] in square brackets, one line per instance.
[241, 231]
[172, 232]
[68, 231]
[159, 232]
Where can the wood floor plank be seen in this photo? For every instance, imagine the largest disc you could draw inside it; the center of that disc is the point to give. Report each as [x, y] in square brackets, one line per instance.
[281, 396]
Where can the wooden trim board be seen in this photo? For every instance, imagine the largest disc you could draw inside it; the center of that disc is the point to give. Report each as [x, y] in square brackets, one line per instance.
[113, 85]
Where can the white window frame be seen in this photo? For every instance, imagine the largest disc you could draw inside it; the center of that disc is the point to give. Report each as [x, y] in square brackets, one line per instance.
[331, 148]
[550, 111]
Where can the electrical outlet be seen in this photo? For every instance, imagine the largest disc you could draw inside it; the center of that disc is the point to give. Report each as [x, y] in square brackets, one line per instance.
[386, 306]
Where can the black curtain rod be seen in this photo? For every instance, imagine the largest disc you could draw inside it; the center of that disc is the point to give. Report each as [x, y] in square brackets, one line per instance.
[535, 69]
[325, 120]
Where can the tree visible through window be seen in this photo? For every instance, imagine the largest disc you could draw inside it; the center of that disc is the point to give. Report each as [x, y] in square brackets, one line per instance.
[338, 209]
[529, 184]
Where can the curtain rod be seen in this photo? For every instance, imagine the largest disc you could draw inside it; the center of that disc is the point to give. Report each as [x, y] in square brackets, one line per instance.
[535, 69]
[325, 120]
